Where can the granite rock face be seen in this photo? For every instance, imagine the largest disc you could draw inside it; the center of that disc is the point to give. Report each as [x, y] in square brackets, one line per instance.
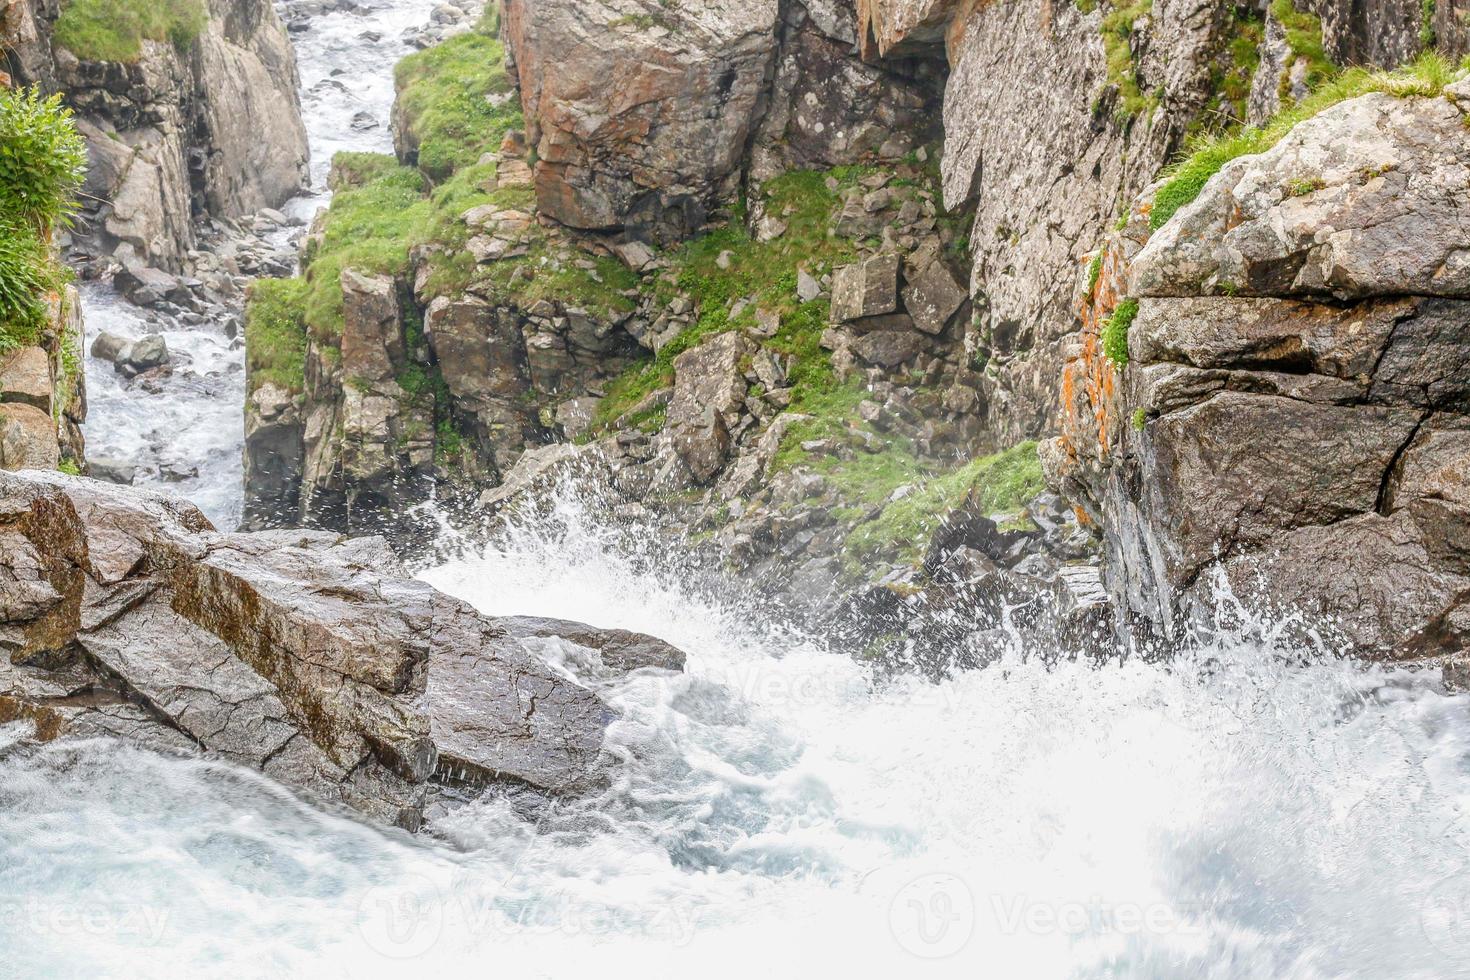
[656, 148]
[303, 654]
[1306, 436]
[176, 135]
[1366, 199]
[1039, 141]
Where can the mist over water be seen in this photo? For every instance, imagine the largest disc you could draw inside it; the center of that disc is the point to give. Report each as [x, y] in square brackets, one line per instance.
[1242, 810]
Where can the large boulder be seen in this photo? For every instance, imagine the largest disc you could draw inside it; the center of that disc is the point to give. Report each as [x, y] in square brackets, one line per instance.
[1366, 199]
[639, 111]
[306, 655]
[708, 402]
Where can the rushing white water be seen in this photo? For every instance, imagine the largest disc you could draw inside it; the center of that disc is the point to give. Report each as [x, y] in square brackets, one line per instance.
[192, 422]
[1244, 811]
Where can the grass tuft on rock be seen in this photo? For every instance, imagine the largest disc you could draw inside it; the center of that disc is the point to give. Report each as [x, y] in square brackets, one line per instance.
[275, 334]
[457, 100]
[1426, 76]
[114, 30]
[991, 485]
[1115, 332]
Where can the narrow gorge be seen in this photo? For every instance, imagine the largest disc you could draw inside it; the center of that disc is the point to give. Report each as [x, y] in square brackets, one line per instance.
[872, 487]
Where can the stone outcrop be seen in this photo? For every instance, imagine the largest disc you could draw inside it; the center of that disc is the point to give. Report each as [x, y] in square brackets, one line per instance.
[1297, 400]
[43, 394]
[302, 654]
[214, 130]
[657, 148]
[697, 86]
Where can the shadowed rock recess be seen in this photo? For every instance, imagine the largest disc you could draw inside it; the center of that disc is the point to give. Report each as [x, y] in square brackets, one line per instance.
[302, 654]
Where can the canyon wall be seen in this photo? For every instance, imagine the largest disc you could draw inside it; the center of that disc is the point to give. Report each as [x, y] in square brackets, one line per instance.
[802, 289]
[208, 126]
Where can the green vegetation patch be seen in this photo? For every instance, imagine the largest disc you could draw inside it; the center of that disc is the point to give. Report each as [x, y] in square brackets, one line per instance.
[1207, 155]
[991, 484]
[114, 30]
[1117, 34]
[1304, 38]
[1233, 79]
[764, 272]
[275, 333]
[42, 159]
[28, 278]
[457, 100]
[1115, 332]
[42, 162]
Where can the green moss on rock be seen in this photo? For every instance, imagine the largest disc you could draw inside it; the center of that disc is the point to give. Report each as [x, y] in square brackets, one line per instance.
[989, 485]
[114, 30]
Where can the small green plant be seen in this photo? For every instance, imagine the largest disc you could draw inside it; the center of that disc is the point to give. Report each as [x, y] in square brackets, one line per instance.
[1094, 272]
[1140, 419]
[27, 278]
[1303, 186]
[1115, 333]
[114, 30]
[42, 159]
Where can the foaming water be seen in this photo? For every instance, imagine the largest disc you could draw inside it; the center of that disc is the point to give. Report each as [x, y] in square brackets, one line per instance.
[185, 430]
[1244, 810]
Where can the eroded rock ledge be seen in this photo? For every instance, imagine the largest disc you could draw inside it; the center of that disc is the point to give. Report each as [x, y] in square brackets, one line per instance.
[306, 655]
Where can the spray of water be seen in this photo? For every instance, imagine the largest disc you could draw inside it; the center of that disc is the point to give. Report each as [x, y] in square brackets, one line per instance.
[1245, 808]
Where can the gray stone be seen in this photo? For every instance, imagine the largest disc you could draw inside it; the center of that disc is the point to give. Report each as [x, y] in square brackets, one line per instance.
[864, 289]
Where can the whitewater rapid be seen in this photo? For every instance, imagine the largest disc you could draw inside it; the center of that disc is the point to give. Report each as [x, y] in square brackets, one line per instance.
[1246, 810]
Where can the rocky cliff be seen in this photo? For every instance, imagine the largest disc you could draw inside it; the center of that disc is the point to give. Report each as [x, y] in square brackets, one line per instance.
[1287, 394]
[202, 122]
[304, 655]
[800, 292]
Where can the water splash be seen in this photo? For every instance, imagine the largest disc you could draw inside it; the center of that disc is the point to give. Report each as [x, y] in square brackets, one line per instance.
[1245, 809]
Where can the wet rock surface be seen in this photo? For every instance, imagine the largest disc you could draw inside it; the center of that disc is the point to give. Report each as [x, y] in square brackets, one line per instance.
[303, 654]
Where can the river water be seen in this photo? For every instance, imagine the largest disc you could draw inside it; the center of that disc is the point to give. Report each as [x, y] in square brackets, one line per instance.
[187, 434]
[1248, 809]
